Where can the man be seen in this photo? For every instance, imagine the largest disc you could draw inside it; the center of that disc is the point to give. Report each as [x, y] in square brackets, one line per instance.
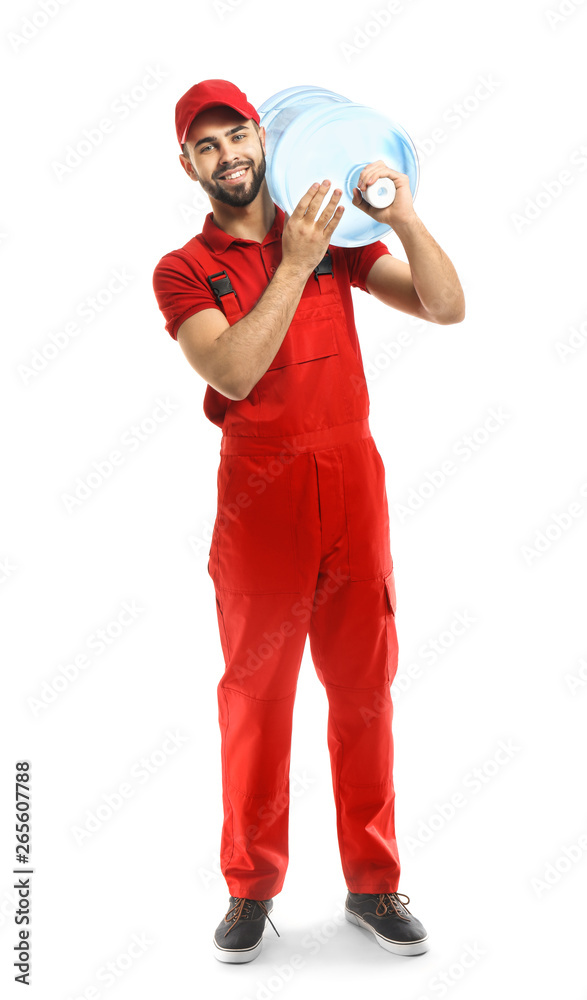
[262, 309]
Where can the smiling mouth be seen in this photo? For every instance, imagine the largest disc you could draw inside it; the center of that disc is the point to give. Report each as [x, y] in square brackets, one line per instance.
[234, 176]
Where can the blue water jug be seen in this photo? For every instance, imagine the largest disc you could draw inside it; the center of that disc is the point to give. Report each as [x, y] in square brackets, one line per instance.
[312, 133]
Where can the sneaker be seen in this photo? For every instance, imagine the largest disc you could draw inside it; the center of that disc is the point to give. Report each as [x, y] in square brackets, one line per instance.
[239, 936]
[384, 914]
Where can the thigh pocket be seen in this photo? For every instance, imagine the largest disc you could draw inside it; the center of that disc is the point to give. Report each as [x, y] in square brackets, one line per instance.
[254, 528]
[367, 514]
[222, 630]
[392, 643]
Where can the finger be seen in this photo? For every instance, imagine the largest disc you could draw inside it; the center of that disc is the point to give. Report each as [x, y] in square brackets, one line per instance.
[373, 177]
[358, 199]
[327, 213]
[317, 200]
[334, 220]
[316, 190]
[359, 202]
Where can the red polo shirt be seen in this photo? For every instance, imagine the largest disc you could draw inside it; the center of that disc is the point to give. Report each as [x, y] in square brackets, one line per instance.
[181, 289]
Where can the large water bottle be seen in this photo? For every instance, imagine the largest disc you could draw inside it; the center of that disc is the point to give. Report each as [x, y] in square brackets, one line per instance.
[313, 133]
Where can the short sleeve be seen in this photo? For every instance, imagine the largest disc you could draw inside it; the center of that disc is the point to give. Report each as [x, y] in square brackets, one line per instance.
[360, 260]
[179, 291]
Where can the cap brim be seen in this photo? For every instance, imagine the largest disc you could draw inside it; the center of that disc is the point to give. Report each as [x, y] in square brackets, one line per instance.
[211, 104]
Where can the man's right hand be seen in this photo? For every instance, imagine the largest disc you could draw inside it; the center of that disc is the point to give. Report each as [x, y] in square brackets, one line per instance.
[306, 236]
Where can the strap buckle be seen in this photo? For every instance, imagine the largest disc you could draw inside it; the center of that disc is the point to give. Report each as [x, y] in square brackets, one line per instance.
[222, 286]
[324, 267]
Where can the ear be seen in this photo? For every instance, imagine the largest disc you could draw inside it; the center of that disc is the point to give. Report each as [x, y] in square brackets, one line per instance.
[188, 167]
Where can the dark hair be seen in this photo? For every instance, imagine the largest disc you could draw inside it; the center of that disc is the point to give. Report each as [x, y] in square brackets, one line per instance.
[185, 150]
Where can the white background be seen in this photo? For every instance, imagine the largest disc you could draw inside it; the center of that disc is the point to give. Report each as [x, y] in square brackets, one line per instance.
[493, 877]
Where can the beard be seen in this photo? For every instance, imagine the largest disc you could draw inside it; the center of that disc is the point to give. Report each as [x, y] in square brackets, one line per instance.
[240, 194]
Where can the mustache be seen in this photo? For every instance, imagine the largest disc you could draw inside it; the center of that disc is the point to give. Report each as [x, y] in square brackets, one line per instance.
[239, 166]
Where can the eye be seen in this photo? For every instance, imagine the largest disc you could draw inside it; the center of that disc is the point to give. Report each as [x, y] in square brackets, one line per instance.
[241, 135]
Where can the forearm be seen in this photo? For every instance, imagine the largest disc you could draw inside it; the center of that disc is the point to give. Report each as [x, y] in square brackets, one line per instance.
[433, 275]
[245, 350]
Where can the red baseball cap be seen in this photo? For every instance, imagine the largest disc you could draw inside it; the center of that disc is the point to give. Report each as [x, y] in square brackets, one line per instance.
[208, 94]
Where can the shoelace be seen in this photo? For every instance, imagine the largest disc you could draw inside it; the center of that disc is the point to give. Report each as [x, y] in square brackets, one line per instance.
[389, 900]
[244, 907]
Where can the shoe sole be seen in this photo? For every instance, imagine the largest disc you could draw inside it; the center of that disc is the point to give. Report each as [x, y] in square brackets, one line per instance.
[235, 956]
[397, 947]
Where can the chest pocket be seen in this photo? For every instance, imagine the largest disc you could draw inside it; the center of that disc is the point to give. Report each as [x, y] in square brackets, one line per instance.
[311, 334]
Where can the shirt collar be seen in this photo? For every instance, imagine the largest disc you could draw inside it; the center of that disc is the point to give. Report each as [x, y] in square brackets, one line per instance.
[219, 241]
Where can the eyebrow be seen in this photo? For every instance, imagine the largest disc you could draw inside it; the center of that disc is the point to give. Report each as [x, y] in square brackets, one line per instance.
[212, 138]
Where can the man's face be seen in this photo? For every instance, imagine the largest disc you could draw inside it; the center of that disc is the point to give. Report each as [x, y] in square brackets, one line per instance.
[222, 143]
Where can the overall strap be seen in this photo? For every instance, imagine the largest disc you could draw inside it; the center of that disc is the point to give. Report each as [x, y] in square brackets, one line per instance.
[219, 281]
[323, 271]
[221, 285]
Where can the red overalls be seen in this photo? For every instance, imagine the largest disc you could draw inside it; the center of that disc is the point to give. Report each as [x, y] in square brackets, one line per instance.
[301, 545]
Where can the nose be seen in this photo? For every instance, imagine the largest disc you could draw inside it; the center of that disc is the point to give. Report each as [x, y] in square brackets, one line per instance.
[227, 152]
[227, 161]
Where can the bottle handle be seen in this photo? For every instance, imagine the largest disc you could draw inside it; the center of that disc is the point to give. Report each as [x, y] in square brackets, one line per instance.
[381, 194]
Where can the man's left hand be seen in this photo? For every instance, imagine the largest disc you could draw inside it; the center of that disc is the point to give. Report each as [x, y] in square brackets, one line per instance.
[401, 209]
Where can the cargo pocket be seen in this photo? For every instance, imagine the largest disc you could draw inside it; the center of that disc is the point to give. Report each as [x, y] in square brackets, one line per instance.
[367, 514]
[392, 643]
[212, 554]
[222, 630]
[389, 582]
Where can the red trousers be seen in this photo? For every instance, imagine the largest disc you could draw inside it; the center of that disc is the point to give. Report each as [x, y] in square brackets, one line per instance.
[301, 546]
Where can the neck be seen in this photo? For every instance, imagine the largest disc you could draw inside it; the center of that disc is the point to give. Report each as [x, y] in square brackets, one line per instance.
[247, 222]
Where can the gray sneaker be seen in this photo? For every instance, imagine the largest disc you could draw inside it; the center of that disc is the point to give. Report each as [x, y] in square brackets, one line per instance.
[384, 914]
[239, 935]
